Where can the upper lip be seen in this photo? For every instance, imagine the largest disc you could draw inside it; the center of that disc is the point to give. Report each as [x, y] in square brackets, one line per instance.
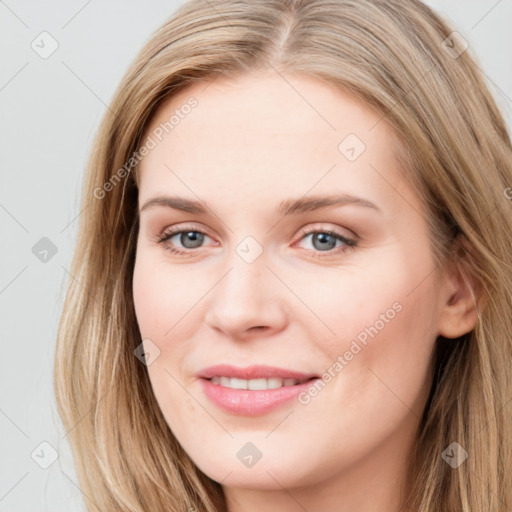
[252, 372]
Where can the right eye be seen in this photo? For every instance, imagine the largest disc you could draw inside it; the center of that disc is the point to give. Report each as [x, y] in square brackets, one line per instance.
[189, 239]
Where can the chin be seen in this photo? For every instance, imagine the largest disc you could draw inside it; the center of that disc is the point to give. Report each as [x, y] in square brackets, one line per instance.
[271, 472]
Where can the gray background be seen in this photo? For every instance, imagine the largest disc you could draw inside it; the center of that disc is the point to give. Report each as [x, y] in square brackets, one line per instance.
[51, 109]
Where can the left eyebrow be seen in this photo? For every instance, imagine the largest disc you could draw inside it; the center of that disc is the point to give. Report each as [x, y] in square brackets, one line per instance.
[287, 207]
[303, 205]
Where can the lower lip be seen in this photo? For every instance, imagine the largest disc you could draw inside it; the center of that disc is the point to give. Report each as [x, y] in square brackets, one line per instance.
[252, 402]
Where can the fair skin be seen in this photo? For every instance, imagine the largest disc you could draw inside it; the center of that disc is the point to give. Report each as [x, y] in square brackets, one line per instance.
[249, 144]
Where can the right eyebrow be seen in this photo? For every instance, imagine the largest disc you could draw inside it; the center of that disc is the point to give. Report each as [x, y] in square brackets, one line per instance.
[177, 203]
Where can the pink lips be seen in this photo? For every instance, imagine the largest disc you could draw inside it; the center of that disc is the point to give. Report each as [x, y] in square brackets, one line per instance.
[252, 402]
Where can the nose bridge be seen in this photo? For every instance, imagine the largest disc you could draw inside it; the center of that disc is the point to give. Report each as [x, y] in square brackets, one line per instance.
[246, 297]
[244, 286]
[246, 270]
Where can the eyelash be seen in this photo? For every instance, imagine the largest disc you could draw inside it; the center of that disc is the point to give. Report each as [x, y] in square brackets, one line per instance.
[349, 242]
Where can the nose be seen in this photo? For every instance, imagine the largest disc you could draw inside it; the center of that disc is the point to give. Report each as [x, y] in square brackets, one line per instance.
[247, 301]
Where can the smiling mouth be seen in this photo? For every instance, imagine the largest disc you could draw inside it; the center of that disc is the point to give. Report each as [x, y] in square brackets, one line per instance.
[255, 390]
[260, 384]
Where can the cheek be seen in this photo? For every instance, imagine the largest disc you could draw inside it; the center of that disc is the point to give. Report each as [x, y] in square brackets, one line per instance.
[389, 295]
[162, 295]
[167, 308]
[345, 304]
[378, 327]
[161, 299]
[386, 336]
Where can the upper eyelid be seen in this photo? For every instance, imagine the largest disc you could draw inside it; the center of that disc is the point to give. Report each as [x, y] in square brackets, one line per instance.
[176, 231]
[321, 228]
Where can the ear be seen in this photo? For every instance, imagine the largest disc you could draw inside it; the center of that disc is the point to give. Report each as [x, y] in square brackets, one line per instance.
[463, 301]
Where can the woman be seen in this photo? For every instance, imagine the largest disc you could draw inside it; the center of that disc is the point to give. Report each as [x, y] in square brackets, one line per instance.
[292, 285]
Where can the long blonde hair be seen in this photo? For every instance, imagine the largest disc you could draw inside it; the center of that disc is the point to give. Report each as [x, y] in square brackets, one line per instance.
[402, 60]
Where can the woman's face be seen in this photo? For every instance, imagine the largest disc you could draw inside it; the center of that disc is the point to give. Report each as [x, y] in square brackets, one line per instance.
[270, 279]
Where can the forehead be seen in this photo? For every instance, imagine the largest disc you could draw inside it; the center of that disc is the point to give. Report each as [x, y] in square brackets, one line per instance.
[262, 132]
[264, 104]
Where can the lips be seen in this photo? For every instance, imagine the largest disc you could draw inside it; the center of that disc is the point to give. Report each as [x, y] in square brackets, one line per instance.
[250, 391]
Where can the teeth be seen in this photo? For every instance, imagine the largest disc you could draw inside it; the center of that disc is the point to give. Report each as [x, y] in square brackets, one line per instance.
[253, 384]
[238, 383]
[257, 384]
[274, 382]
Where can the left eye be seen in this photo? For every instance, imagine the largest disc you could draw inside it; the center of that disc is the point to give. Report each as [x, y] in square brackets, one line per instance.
[325, 241]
